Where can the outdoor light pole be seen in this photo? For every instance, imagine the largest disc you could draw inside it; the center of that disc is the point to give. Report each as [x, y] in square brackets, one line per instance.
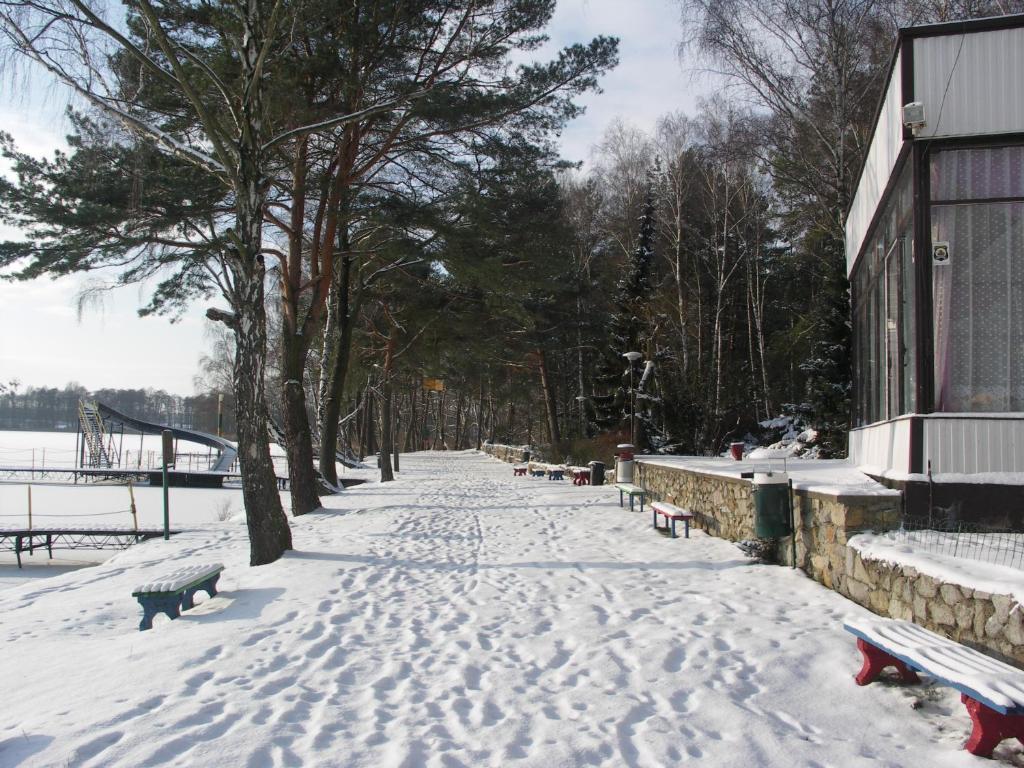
[632, 357]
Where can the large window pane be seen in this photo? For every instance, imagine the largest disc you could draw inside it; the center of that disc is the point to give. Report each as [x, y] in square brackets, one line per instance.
[978, 298]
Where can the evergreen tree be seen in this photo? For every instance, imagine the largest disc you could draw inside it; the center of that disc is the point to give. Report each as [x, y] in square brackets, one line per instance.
[628, 330]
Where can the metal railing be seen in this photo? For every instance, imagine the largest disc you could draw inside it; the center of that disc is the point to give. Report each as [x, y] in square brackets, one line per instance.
[959, 539]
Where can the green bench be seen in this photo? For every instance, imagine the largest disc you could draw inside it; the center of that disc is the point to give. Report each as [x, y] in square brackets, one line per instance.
[175, 592]
[628, 489]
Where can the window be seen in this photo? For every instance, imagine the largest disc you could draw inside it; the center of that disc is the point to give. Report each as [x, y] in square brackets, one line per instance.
[978, 293]
[883, 313]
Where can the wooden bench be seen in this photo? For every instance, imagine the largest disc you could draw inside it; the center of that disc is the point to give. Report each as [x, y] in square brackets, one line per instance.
[992, 691]
[556, 474]
[519, 471]
[628, 489]
[174, 592]
[671, 513]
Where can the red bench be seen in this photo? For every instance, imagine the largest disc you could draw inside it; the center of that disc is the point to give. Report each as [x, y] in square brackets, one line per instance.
[518, 471]
[671, 513]
[992, 691]
[581, 477]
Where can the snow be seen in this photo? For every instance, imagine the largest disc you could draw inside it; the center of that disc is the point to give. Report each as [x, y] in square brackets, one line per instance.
[908, 550]
[459, 616]
[975, 478]
[182, 577]
[832, 477]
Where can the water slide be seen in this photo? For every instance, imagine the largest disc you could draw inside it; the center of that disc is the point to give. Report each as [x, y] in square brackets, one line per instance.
[228, 450]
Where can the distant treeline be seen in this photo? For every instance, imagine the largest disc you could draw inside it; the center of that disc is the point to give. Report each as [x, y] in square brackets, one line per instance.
[49, 408]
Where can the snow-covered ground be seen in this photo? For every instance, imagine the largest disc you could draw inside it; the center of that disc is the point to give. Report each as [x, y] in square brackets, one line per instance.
[457, 617]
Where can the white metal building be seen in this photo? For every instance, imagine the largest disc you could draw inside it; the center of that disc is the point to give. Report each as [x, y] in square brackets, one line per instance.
[935, 256]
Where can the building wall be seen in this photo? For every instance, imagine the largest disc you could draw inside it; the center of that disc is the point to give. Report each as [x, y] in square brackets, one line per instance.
[967, 444]
[882, 446]
[970, 84]
[886, 144]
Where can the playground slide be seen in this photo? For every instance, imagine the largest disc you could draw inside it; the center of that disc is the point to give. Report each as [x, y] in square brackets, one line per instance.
[227, 449]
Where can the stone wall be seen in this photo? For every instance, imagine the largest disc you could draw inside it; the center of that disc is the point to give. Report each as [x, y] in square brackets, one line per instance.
[724, 507]
[514, 454]
[990, 622]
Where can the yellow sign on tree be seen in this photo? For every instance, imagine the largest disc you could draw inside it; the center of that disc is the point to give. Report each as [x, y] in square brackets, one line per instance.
[433, 385]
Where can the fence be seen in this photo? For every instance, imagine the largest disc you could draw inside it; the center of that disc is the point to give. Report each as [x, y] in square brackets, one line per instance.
[950, 537]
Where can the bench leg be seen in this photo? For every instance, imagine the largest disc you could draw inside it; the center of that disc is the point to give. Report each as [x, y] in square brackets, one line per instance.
[631, 502]
[210, 585]
[875, 660]
[641, 502]
[169, 604]
[686, 527]
[990, 727]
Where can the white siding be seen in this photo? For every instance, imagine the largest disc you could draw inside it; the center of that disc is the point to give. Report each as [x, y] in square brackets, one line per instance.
[881, 159]
[986, 89]
[883, 446]
[965, 445]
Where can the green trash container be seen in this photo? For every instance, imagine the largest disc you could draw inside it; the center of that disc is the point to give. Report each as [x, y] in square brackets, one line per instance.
[771, 505]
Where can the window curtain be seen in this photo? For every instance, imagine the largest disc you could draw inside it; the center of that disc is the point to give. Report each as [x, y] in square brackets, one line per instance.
[978, 296]
[978, 300]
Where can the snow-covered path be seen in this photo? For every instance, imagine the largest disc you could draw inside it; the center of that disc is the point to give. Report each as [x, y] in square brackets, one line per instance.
[456, 617]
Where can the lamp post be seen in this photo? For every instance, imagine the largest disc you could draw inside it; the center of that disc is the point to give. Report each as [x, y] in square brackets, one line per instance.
[632, 357]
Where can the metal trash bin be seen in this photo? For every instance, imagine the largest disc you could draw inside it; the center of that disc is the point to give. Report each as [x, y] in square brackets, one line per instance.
[526, 457]
[771, 505]
[624, 463]
[596, 472]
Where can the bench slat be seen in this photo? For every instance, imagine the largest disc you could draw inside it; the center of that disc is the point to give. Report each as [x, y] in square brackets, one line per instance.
[670, 510]
[180, 579]
[990, 681]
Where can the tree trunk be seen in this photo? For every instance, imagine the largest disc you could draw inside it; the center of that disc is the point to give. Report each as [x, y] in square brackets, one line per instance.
[386, 475]
[269, 535]
[395, 433]
[302, 478]
[480, 417]
[334, 362]
[459, 406]
[550, 407]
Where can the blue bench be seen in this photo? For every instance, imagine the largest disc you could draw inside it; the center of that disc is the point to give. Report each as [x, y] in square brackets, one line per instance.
[556, 474]
[175, 592]
[992, 691]
[628, 489]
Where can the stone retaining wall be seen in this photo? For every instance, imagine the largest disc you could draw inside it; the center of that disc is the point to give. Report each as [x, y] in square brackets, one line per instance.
[514, 454]
[990, 622]
[724, 507]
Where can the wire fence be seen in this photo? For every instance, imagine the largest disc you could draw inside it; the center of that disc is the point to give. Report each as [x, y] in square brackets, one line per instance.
[959, 539]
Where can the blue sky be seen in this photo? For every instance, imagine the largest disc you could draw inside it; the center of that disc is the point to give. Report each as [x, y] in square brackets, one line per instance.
[43, 341]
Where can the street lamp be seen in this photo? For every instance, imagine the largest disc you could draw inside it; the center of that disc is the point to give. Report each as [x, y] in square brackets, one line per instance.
[632, 357]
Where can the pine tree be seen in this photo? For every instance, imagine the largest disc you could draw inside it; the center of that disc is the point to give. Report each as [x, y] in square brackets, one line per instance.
[628, 329]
